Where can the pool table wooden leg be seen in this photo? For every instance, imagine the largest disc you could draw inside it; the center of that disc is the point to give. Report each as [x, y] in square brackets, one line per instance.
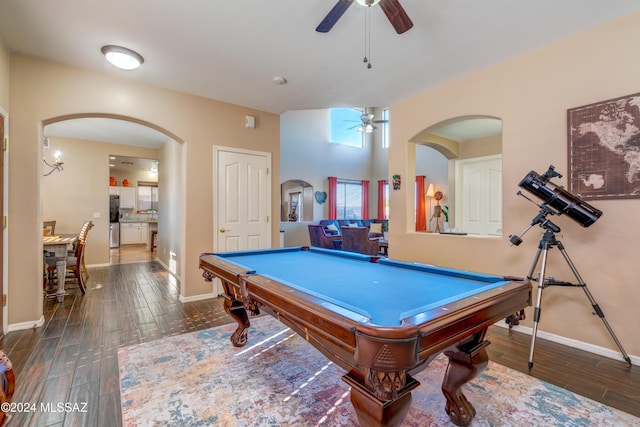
[374, 412]
[466, 361]
[236, 310]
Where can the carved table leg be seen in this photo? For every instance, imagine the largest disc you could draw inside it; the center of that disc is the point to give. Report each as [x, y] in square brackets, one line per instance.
[372, 411]
[235, 309]
[465, 363]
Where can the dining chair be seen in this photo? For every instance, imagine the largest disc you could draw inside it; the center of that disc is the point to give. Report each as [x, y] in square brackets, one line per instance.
[48, 228]
[76, 268]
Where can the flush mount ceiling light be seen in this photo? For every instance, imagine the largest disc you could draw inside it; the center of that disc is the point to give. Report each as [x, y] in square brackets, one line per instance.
[121, 57]
[279, 81]
[368, 2]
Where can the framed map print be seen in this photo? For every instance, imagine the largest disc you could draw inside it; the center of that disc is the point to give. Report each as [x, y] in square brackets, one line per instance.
[604, 149]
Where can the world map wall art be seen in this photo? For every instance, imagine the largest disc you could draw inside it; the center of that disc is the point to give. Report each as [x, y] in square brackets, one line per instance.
[604, 149]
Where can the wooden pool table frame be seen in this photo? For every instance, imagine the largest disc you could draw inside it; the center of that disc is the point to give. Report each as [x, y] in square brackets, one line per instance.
[379, 360]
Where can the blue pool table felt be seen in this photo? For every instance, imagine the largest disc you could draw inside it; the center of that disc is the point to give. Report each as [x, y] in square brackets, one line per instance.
[385, 292]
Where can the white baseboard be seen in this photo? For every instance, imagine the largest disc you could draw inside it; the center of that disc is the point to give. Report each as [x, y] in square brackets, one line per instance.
[98, 265]
[25, 325]
[580, 345]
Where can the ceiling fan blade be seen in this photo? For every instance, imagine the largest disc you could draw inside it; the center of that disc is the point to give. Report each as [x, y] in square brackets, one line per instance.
[397, 16]
[332, 17]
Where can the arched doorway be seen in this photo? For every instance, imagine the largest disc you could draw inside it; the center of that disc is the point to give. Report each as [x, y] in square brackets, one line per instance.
[81, 191]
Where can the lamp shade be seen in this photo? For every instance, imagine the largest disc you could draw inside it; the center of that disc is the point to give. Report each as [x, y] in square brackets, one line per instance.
[430, 191]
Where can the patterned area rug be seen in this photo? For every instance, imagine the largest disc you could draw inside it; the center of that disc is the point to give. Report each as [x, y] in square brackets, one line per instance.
[278, 379]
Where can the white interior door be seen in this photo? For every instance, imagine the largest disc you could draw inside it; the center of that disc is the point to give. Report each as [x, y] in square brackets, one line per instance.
[242, 200]
[479, 195]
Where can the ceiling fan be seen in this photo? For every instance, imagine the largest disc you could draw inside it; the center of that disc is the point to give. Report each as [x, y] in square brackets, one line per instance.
[367, 123]
[392, 8]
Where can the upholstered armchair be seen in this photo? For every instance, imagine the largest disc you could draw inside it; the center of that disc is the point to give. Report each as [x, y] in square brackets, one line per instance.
[320, 239]
[356, 239]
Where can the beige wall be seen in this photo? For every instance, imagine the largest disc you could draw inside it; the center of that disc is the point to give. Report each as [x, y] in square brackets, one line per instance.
[41, 91]
[4, 77]
[531, 94]
[171, 206]
[74, 195]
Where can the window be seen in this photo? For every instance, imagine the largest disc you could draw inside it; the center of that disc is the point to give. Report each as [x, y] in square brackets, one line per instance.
[349, 199]
[386, 201]
[385, 128]
[343, 124]
[147, 196]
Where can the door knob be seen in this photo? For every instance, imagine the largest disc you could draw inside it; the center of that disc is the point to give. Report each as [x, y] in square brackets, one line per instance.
[222, 229]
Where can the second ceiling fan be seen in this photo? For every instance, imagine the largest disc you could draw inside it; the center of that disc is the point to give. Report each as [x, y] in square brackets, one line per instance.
[392, 8]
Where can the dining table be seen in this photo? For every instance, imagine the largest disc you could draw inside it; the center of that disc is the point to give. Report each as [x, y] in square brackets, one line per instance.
[58, 245]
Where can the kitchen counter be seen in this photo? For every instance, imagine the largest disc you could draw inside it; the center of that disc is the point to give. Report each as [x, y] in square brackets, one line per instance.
[146, 221]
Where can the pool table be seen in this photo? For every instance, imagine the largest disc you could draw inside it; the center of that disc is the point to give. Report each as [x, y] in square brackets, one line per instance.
[381, 320]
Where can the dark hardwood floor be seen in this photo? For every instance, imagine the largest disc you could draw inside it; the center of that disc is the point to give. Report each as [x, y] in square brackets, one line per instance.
[73, 357]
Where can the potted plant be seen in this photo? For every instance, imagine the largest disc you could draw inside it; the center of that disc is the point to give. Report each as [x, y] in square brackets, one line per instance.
[445, 212]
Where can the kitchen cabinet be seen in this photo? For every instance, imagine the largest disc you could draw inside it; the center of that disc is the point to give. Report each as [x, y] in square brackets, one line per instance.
[144, 233]
[127, 198]
[134, 233]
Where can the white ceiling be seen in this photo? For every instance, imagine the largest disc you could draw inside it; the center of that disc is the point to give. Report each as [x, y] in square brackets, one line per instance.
[232, 50]
[124, 164]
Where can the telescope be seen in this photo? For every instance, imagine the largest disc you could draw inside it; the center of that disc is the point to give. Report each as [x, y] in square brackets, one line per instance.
[555, 201]
[558, 198]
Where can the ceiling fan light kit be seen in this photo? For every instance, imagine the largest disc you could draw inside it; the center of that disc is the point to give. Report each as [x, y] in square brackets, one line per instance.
[367, 125]
[368, 3]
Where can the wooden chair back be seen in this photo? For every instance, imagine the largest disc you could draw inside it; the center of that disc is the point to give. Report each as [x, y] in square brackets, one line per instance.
[82, 238]
[48, 228]
[84, 231]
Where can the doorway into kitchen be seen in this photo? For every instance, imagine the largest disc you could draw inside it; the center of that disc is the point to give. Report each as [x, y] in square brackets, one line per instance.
[133, 209]
[130, 254]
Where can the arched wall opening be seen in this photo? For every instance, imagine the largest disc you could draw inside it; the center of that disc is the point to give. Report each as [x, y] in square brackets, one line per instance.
[81, 191]
[460, 160]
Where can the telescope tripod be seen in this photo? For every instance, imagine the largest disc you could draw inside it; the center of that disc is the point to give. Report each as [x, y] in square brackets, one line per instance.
[548, 241]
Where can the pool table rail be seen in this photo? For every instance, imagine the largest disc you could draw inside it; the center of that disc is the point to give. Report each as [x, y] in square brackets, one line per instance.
[444, 326]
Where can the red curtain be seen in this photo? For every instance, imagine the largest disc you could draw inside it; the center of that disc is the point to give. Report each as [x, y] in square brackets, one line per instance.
[382, 199]
[421, 210]
[365, 199]
[333, 203]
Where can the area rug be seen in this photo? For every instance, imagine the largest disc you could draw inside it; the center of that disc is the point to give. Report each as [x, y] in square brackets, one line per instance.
[278, 379]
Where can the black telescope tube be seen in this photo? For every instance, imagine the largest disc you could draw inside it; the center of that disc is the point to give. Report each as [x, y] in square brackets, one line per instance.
[560, 199]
